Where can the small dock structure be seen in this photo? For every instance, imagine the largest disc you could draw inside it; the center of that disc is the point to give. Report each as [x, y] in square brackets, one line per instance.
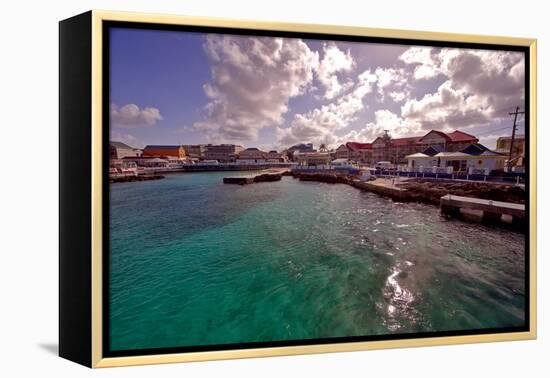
[240, 180]
[263, 176]
[492, 211]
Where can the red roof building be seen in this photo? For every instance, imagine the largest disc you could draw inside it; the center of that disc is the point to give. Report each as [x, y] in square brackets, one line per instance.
[395, 150]
[460, 136]
[356, 146]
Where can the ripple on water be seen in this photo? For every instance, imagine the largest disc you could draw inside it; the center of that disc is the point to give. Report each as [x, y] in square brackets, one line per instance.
[197, 262]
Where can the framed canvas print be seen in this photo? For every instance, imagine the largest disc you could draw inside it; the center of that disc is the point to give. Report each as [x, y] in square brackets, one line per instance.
[236, 189]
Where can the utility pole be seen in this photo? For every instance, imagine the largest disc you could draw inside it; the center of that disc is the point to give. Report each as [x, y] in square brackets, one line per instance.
[515, 114]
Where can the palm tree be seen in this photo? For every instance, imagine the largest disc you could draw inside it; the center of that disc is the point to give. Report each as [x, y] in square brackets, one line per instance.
[323, 148]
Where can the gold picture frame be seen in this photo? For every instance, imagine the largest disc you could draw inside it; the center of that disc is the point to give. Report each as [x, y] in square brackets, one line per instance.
[91, 327]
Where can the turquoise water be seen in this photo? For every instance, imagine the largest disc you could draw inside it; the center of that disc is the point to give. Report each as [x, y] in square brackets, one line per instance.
[196, 262]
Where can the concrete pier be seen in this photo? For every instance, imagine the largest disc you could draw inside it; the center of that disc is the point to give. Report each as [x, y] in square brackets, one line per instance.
[492, 210]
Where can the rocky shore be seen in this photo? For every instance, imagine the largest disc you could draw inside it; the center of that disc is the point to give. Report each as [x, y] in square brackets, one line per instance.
[431, 191]
[327, 177]
[422, 190]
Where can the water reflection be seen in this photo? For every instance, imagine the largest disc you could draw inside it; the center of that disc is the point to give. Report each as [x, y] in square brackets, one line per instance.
[399, 300]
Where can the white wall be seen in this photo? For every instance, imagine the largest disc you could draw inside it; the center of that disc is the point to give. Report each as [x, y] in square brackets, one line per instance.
[28, 271]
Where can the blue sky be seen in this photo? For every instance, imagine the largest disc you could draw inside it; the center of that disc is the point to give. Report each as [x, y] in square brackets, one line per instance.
[171, 87]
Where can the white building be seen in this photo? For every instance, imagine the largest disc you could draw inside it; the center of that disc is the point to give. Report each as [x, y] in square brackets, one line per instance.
[473, 157]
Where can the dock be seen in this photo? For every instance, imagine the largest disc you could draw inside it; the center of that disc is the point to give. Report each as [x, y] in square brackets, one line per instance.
[241, 180]
[267, 175]
[491, 210]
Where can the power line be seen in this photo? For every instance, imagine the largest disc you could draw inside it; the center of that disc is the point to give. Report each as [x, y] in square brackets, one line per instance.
[493, 130]
[503, 110]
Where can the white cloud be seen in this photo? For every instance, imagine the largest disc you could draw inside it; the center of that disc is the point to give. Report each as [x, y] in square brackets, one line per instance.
[252, 82]
[392, 81]
[131, 116]
[318, 125]
[384, 120]
[481, 85]
[447, 108]
[496, 76]
[425, 62]
[127, 139]
[398, 96]
[334, 61]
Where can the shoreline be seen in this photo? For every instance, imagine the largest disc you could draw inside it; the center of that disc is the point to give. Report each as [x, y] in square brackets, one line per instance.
[420, 190]
[431, 193]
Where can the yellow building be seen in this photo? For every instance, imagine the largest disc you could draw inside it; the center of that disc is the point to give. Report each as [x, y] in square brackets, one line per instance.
[518, 152]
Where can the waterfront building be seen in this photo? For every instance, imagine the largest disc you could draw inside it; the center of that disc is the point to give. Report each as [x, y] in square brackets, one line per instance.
[147, 161]
[419, 160]
[342, 163]
[194, 151]
[275, 157]
[299, 148]
[163, 150]
[473, 157]
[223, 153]
[396, 150]
[312, 159]
[119, 150]
[360, 152]
[252, 155]
[450, 142]
[342, 152]
[122, 167]
[518, 152]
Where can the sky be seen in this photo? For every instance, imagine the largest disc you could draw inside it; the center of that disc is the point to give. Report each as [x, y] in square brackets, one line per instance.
[174, 87]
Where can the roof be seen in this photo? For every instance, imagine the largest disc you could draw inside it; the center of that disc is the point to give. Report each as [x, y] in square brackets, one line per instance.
[451, 155]
[356, 146]
[418, 155]
[477, 149]
[160, 147]
[403, 141]
[461, 136]
[339, 161]
[440, 133]
[121, 145]
[314, 155]
[432, 150]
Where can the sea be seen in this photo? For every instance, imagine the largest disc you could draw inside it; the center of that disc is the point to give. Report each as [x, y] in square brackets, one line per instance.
[194, 262]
